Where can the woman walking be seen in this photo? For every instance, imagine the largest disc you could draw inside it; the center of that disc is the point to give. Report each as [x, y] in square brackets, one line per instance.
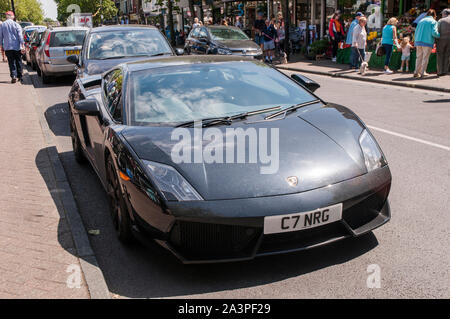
[359, 41]
[388, 38]
[336, 31]
[426, 32]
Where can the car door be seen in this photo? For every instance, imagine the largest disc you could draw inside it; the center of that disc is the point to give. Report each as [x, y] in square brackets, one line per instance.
[192, 41]
[111, 113]
[203, 41]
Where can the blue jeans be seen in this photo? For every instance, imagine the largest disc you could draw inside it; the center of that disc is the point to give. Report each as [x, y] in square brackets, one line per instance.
[355, 57]
[15, 63]
[388, 49]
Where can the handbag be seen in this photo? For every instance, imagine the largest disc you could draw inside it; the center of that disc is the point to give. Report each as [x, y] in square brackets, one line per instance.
[380, 50]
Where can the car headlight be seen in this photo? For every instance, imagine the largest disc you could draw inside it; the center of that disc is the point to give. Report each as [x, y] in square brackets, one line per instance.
[373, 157]
[172, 185]
[223, 51]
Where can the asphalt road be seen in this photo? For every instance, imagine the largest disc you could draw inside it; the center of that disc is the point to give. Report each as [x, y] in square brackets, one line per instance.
[412, 250]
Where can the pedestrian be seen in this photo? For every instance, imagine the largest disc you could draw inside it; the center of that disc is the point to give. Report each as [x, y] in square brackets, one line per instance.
[238, 22]
[280, 38]
[388, 38]
[258, 26]
[443, 43]
[426, 33]
[406, 53]
[349, 39]
[196, 24]
[336, 31]
[1, 47]
[359, 41]
[12, 42]
[269, 34]
[280, 19]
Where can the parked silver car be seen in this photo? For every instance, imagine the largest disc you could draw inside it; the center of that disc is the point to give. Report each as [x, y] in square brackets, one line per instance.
[56, 45]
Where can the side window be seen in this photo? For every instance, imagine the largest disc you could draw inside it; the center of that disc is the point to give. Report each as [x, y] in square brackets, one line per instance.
[202, 33]
[194, 33]
[112, 92]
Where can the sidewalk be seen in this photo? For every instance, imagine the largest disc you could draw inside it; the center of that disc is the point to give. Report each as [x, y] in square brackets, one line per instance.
[326, 67]
[37, 250]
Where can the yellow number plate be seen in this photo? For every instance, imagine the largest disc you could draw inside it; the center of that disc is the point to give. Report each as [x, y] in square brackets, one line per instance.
[72, 52]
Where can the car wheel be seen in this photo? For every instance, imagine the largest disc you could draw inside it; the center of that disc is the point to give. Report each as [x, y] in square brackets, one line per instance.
[45, 78]
[76, 144]
[118, 210]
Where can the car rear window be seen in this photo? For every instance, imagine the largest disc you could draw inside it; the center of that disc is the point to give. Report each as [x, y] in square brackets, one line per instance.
[67, 38]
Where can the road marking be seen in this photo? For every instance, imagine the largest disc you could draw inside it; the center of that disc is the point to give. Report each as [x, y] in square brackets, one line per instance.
[447, 148]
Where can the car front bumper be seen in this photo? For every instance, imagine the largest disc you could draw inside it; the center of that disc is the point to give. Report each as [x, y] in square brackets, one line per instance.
[232, 230]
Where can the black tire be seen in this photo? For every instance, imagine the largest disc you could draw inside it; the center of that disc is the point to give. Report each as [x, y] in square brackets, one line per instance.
[76, 144]
[117, 206]
[45, 78]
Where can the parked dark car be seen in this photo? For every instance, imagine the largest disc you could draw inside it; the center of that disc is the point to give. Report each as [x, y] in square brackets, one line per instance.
[332, 180]
[32, 46]
[107, 46]
[222, 40]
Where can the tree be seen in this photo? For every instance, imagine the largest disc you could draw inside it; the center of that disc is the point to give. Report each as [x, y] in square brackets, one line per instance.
[169, 4]
[26, 10]
[108, 9]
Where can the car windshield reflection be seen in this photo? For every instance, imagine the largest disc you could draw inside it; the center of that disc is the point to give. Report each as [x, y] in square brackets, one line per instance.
[126, 43]
[197, 91]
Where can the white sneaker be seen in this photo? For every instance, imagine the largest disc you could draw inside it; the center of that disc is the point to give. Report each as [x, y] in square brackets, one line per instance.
[333, 59]
[388, 71]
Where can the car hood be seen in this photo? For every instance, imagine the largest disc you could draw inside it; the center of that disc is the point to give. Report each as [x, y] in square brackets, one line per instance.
[238, 44]
[319, 147]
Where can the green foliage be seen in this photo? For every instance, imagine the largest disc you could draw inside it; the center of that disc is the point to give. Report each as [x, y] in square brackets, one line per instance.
[319, 46]
[26, 10]
[108, 9]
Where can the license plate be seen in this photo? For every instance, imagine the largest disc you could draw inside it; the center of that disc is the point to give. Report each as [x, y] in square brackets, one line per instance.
[304, 220]
[72, 52]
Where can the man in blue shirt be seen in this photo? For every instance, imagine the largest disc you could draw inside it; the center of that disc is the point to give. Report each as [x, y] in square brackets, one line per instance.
[11, 39]
[353, 56]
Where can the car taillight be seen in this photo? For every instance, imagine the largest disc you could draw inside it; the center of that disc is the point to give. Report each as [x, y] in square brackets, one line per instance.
[47, 46]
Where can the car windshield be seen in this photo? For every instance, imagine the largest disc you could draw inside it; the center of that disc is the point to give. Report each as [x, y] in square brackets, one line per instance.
[126, 43]
[198, 91]
[67, 38]
[227, 34]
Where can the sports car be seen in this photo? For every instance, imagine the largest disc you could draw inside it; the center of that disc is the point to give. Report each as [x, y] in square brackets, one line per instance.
[224, 158]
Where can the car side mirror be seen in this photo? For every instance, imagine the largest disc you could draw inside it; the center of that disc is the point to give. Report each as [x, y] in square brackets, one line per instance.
[73, 59]
[179, 51]
[306, 82]
[87, 107]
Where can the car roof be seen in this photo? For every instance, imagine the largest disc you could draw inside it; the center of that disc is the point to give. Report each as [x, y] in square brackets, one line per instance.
[56, 29]
[119, 27]
[221, 27]
[182, 60]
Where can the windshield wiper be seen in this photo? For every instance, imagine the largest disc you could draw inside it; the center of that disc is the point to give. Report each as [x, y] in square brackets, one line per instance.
[290, 109]
[162, 53]
[133, 56]
[228, 119]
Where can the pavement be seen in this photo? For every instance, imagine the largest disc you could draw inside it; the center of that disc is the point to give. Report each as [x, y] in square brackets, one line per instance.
[406, 79]
[412, 250]
[44, 249]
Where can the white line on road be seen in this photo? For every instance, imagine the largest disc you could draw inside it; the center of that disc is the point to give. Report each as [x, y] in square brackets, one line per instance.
[447, 148]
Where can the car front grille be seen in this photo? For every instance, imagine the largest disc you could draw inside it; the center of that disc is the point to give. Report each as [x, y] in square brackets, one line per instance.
[202, 240]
